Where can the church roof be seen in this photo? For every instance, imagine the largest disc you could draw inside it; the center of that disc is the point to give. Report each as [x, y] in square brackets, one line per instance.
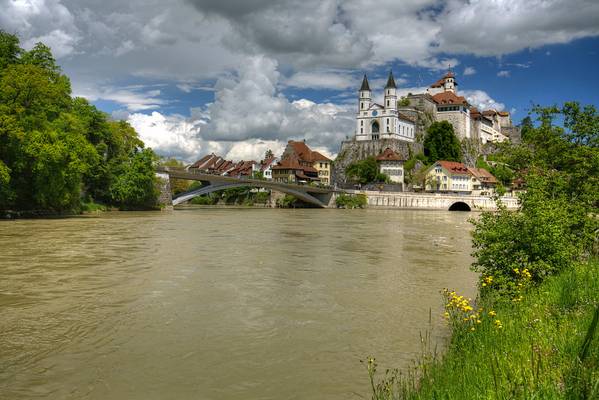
[449, 98]
[365, 85]
[390, 81]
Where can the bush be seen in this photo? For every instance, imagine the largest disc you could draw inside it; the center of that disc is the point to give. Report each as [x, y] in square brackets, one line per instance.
[349, 201]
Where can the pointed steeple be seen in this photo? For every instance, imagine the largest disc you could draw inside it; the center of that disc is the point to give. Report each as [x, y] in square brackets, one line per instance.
[365, 84]
[390, 82]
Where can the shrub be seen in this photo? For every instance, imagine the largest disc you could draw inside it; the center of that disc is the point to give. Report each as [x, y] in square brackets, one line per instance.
[349, 201]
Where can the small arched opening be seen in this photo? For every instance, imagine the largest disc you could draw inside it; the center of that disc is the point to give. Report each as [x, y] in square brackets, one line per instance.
[459, 206]
[375, 127]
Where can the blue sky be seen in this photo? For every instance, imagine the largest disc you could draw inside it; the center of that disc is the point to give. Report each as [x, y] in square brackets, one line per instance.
[237, 77]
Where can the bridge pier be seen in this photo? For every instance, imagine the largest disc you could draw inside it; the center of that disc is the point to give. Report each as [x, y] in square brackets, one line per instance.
[165, 198]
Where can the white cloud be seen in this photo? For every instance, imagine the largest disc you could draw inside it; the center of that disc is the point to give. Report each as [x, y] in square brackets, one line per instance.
[172, 136]
[134, 98]
[481, 100]
[503, 74]
[469, 71]
[322, 80]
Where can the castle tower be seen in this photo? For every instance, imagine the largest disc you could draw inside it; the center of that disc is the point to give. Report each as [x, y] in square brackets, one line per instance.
[390, 93]
[449, 82]
[365, 95]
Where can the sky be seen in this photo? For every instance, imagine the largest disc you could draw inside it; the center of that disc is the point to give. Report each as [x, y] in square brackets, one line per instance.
[238, 77]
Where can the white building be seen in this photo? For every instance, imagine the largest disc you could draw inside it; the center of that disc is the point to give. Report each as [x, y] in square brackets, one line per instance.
[391, 164]
[375, 121]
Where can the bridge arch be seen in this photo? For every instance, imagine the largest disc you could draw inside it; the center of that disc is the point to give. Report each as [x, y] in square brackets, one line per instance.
[215, 187]
[460, 206]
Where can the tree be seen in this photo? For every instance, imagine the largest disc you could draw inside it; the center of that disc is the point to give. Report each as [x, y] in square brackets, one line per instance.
[441, 143]
[268, 154]
[177, 185]
[135, 185]
[365, 171]
[9, 49]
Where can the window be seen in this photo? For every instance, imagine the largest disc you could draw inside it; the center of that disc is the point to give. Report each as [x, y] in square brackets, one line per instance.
[361, 106]
[361, 130]
[387, 103]
[361, 122]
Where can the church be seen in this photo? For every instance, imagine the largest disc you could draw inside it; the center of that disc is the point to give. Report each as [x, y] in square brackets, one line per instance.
[382, 121]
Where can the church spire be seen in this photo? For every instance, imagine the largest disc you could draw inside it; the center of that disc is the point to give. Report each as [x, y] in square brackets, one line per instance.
[365, 85]
[390, 81]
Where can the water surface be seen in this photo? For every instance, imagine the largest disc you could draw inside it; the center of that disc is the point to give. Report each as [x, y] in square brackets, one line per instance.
[209, 303]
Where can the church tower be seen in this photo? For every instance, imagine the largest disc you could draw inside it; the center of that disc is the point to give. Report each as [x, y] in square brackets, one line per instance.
[390, 93]
[365, 95]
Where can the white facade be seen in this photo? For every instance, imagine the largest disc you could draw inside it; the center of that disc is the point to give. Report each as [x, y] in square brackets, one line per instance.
[393, 169]
[375, 121]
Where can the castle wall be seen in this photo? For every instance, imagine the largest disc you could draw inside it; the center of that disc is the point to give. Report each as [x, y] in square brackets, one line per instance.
[459, 120]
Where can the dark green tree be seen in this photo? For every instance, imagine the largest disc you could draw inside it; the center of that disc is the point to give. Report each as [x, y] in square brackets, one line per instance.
[441, 143]
[365, 171]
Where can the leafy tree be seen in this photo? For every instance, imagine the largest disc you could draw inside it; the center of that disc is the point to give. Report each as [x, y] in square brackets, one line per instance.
[441, 143]
[365, 171]
[135, 185]
[9, 49]
[268, 154]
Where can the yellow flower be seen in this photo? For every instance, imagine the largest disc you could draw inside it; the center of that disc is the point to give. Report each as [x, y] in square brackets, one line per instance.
[492, 313]
[484, 284]
[472, 329]
[478, 321]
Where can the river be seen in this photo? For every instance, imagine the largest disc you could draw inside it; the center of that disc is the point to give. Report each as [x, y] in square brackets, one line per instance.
[221, 303]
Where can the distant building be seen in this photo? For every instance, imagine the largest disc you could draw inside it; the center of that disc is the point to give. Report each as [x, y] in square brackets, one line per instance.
[308, 159]
[483, 181]
[382, 121]
[391, 164]
[217, 165]
[292, 170]
[266, 167]
[448, 176]
[442, 101]
[451, 176]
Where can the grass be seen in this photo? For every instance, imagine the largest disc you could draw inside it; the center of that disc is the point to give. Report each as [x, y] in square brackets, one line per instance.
[546, 346]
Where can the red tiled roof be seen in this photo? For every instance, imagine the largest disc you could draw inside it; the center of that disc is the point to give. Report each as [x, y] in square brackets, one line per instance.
[316, 156]
[288, 163]
[454, 167]
[389, 155]
[504, 113]
[449, 98]
[482, 175]
[441, 81]
[266, 163]
[303, 152]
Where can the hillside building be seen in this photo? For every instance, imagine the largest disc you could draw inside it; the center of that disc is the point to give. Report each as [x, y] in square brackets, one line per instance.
[391, 164]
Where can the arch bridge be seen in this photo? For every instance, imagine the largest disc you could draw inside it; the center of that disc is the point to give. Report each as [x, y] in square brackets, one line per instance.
[318, 196]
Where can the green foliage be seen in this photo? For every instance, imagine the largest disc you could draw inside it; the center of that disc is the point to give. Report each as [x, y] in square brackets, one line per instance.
[351, 201]
[366, 171]
[135, 186]
[441, 143]
[403, 102]
[547, 348]
[58, 150]
[288, 201]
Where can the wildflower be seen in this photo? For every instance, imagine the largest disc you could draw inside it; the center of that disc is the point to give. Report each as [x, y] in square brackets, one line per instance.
[472, 329]
[478, 321]
[492, 313]
[446, 314]
[484, 284]
[498, 324]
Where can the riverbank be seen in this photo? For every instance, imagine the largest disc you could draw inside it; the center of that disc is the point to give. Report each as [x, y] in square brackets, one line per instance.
[542, 344]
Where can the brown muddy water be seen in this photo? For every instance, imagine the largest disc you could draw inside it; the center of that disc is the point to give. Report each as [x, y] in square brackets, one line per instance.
[210, 303]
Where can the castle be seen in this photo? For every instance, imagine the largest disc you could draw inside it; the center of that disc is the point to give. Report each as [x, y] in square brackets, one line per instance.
[441, 101]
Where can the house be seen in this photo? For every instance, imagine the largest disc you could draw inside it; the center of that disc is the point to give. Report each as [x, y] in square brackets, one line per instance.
[310, 159]
[448, 176]
[266, 167]
[391, 164]
[482, 180]
[291, 170]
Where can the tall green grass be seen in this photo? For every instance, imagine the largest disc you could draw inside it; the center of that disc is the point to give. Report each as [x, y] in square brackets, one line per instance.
[547, 348]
